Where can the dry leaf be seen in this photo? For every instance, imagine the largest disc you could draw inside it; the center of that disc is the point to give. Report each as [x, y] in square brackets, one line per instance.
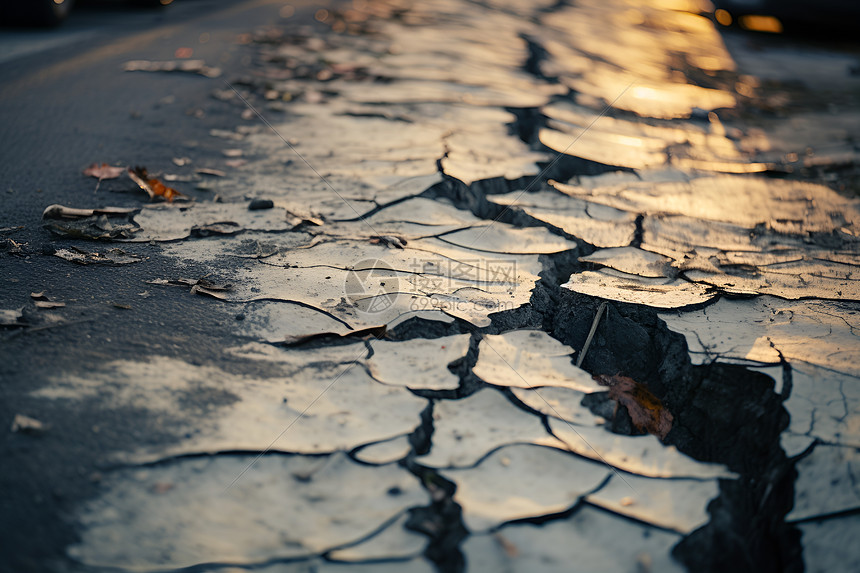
[645, 409]
[27, 425]
[153, 187]
[103, 171]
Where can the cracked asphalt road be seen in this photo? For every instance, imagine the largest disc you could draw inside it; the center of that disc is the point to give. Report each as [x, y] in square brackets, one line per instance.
[351, 345]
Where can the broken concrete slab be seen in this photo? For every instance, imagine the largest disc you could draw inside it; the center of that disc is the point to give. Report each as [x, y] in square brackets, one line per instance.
[663, 293]
[466, 430]
[593, 539]
[530, 359]
[597, 225]
[419, 364]
[386, 452]
[393, 542]
[238, 510]
[641, 455]
[317, 408]
[816, 332]
[826, 483]
[559, 402]
[679, 504]
[829, 545]
[504, 486]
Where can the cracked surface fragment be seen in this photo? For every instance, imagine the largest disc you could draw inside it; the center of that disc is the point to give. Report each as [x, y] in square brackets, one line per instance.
[466, 430]
[420, 364]
[827, 482]
[187, 513]
[253, 414]
[505, 486]
[530, 359]
[593, 539]
[678, 504]
[642, 455]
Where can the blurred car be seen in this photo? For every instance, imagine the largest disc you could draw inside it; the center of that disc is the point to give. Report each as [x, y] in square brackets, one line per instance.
[795, 15]
[47, 12]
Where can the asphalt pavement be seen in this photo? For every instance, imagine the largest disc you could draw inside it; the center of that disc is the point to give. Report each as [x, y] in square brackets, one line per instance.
[66, 103]
[401, 286]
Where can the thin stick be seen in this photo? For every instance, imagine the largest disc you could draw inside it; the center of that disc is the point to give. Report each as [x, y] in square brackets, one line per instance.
[591, 333]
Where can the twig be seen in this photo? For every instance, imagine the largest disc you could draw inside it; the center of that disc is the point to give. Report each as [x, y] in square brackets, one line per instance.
[591, 333]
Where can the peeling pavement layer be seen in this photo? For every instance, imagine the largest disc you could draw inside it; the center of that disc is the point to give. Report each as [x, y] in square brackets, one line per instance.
[443, 295]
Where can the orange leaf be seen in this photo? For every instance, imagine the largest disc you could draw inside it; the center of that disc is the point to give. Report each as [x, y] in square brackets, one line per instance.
[153, 187]
[645, 409]
[103, 171]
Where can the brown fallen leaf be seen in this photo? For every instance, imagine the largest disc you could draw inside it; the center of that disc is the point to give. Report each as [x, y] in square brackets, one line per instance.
[232, 152]
[103, 171]
[153, 187]
[645, 409]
